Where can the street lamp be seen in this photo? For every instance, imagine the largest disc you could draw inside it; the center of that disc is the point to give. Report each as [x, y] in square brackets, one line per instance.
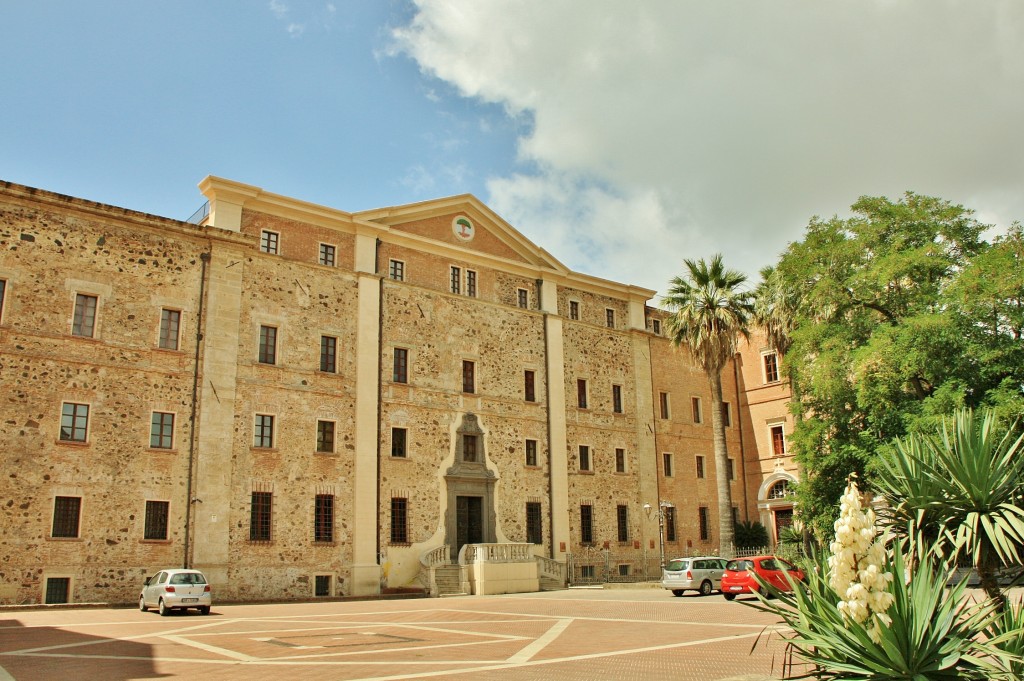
[662, 505]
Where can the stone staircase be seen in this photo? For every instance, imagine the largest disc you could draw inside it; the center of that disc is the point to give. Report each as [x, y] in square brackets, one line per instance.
[448, 579]
[548, 583]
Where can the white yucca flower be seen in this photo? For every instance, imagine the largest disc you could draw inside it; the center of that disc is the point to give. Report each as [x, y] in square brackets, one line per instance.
[857, 563]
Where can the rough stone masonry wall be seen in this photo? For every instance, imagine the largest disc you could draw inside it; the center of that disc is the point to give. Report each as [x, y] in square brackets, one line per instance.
[49, 249]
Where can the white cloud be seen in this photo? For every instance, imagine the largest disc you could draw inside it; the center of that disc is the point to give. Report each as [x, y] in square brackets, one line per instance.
[278, 8]
[680, 128]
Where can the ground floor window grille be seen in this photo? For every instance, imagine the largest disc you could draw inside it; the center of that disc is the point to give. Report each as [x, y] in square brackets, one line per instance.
[58, 590]
[323, 585]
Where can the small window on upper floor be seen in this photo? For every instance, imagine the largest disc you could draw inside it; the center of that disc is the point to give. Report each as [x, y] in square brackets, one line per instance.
[620, 460]
[170, 323]
[400, 369]
[696, 411]
[468, 376]
[328, 354]
[471, 283]
[455, 280]
[771, 367]
[267, 353]
[3, 292]
[581, 393]
[778, 435]
[663, 404]
[325, 437]
[327, 255]
[726, 415]
[609, 318]
[74, 422]
[84, 321]
[529, 386]
[269, 241]
[574, 309]
[656, 326]
[667, 461]
[617, 399]
[531, 453]
[399, 443]
[523, 298]
[585, 462]
[396, 270]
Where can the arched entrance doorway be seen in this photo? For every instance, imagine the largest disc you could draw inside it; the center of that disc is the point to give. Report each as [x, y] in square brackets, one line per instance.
[775, 503]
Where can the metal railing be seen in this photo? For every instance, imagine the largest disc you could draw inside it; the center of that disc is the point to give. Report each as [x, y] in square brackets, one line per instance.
[200, 214]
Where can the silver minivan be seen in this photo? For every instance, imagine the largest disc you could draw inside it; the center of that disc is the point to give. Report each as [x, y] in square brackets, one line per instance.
[701, 573]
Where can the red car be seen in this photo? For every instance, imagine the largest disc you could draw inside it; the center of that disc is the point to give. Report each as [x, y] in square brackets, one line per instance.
[738, 577]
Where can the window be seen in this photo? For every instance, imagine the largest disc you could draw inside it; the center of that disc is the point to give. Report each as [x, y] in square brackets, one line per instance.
[161, 431]
[170, 323]
[534, 527]
[667, 460]
[74, 422]
[581, 393]
[327, 255]
[617, 399]
[735, 515]
[730, 469]
[84, 322]
[585, 463]
[471, 283]
[670, 523]
[622, 518]
[396, 270]
[3, 291]
[523, 298]
[156, 520]
[771, 367]
[66, 511]
[780, 490]
[325, 437]
[700, 467]
[624, 570]
[322, 585]
[609, 318]
[323, 518]
[58, 590]
[620, 460]
[587, 571]
[264, 431]
[531, 452]
[261, 504]
[468, 376]
[328, 354]
[268, 345]
[574, 309]
[399, 520]
[469, 448]
[268, 241]
[726, 415]
[399, 439]
[704, 522]
[529, 389]
[587, 524]
[455, 280]
[778, 440]
[656, 326]
[695, 408]
[663, 405]
[400, 373]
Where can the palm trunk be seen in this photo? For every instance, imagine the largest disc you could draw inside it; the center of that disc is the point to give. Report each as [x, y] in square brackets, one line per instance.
[726, 531]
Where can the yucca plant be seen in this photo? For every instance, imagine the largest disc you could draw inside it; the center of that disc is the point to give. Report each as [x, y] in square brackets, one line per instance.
[1007, 634]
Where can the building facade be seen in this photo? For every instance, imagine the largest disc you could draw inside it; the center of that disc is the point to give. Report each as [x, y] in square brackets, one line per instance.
[302, 401]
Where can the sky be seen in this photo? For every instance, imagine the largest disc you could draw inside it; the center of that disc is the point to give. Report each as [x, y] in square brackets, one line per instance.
[622, 137]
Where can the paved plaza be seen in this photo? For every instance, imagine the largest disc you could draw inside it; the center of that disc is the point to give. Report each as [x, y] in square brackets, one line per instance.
[583, 634]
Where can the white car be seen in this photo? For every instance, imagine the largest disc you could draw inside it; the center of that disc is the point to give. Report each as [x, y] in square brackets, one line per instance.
[170, 590]
[702, 573]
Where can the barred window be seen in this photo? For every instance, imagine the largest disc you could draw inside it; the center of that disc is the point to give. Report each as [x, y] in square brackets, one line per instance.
[264, 431]
[609, 318]
[170, 323]
[328, 354]
[74, 422]
[84, 322]
[327, 255]
[322, 585]
[622, 517]
[574, 309]
[260, 515]
[586, 523]
[670, 523]
[399, 520]
[534, 524]
[58, 590]
[325, 436]
[156, 519]
[323, 512]
[161, 431]
[471, 283]
[268, 345]
[704, 522]
[66, 512]
[455, 280]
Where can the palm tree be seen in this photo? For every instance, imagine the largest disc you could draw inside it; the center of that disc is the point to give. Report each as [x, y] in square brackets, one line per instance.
[775, 309]
[709, 314]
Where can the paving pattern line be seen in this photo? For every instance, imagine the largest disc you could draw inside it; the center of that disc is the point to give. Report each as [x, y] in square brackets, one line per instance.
[527, 653]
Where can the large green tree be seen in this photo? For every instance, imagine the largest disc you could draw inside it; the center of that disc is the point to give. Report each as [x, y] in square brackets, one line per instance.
[710, 312]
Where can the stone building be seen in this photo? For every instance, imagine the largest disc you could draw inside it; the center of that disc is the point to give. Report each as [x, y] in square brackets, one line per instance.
[303, 402]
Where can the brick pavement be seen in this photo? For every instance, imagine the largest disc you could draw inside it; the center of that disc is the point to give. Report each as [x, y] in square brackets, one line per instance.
[576, 634]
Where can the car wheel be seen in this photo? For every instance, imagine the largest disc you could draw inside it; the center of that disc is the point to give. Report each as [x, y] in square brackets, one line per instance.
[677, 592]
[142, 604]
[705, 588]
[163, 609]
[204, 610]
[729, 597]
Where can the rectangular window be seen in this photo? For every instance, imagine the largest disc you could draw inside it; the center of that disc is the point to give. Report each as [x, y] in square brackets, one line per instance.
[323, 518]
[700, 467]
[587, 524]
[399, 441]
[663, 405]
[670, 523]
[399, 520]
[704, 522]
[264, 431]
[529, 386]
[261, 505]
[609, 318]
[471, 283]
[695, 408]
[400, 373]
[170, 323]
[156, 520]
[667, 460]
[268, 241]
[574, 309]
[66, 511]
[455, 280]
[624, 570]
[617, 399]
[656, 326]
[531, 452]
[622, 518]
[534, 526]
[735, 515]
[585, 463]
[3, 291]
[620, 460]
[325, 437]
[396, 270]
[74, 422]
[726, 415]
[161, 431]
[778, 440]
[328, 354]
[327, 255]
[84, 322]
[268, 345]
[469, 452]
[581, 393]
[58, 590]
[731, 469]
[468, 376]
[771, 367]
[322, 585]
[523, 298]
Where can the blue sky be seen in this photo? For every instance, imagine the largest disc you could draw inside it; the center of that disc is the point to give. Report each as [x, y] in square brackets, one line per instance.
[622, 137]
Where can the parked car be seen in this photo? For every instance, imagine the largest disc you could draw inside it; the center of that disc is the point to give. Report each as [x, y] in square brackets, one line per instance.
[170, 590]
[738, 577]
[702, 573]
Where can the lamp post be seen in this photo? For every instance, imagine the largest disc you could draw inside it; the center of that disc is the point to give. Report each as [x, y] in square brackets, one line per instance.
[662, 505]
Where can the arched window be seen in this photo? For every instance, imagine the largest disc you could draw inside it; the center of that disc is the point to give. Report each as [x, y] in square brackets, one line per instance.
[779, 490]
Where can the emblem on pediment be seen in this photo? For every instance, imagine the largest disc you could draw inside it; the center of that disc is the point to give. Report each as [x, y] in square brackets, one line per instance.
[463, 229]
